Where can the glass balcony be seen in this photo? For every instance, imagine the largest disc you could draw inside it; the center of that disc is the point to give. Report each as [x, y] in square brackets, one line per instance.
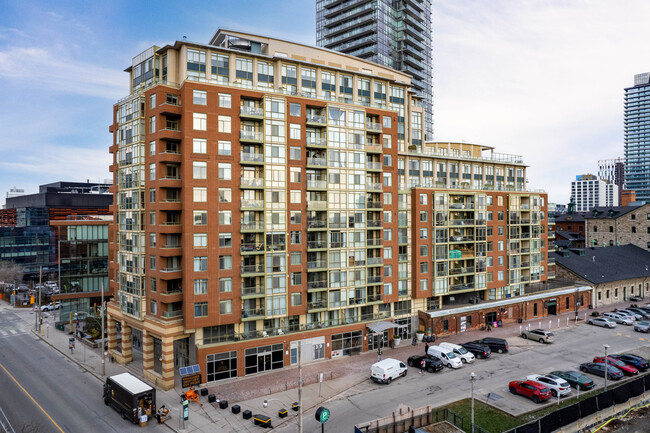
[254, 204]
[316, 205]
[312, 118]
[252, 247]
[252, 269]
[251, 136]
[321, 162]
[251, 111]
[252, 157]
[252, 182]
[316, 184]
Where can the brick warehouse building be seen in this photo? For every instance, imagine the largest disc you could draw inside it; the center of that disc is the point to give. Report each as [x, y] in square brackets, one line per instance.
[270, 194]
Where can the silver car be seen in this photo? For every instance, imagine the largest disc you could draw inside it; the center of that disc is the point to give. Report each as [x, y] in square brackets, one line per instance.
[642, 326]
[619, 318]
[602, 321]
[636, 316]
[538, 335]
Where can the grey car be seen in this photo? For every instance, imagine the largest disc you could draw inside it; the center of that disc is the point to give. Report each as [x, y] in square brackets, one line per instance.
[602, 321]
[642, 326]
[538, 335]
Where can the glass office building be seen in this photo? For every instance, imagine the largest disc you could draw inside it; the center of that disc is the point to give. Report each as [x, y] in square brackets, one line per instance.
[637, 137]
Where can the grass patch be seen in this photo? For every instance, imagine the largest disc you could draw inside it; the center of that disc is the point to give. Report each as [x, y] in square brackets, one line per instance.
[494, 420]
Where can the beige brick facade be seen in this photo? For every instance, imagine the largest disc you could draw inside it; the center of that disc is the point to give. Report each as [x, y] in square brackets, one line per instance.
[630, 228]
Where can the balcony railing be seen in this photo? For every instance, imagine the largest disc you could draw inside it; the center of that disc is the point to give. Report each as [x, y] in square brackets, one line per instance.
[252, 269]
[461, 222]
[316, 244]
[457, 287]
[373, 165]
[322, 284]
[316, 224]
[375, 260]
[314, 264]
[316, 141]
[373, 242]
[321, 162]
[252, 226]
[254, 157]
[252, 182]
[313, 118]
[252, 312]
[370, 204]
[316, 204]
[172, 314]
[252, 111]
[373, 125]
[461, 270]
[172, 269]
[375, 186]
[374, 223]
[317, 305]
[252, 247]
[252, 290]
[250, 135]
[252, 203]
[320, 184]
[375, 279]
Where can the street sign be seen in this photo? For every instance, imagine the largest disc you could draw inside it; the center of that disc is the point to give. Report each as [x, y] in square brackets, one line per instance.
[322, 414]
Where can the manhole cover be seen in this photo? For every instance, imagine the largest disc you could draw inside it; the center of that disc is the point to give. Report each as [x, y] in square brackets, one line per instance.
[492, 396]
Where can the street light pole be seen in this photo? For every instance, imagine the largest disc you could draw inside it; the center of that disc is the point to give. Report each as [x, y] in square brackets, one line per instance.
[606, 346]
[101, 317]
[299, 387]
[472, 379]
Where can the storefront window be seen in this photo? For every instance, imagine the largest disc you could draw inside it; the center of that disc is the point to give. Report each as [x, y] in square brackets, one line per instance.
[222, 366]
[347, 343]
[264, 358]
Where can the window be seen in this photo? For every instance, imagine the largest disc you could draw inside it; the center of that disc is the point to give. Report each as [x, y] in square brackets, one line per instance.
[225, 307]
[294, 153]
[200, 217]
[200, 309]
[225, 263]
[225, 285]
[200, 170]
[223, 124]
[294, 131]
[296, 237]
[200, 287]
[296, 299]
[152, 263]
[152, 171]
[200, 121]
[152, 124]
[388, 253]
[423, 216]
[200, 240]
[633, 229]
[535, 309]
[225, 171]
[225, 147]
[224, 100]
[200, 263]
[294, 110]
[296, 258]
[386, 122]
[388, 160]
[424, 267]
[295, 196]
[152, 195]
[152, 100]
[296, 217]
[199, 145]
[296, 278]
[294, 174]
[200, 194]
[424, 250]
[225, 240]
[200, 97]
[225, 217]
[225, 195]
[388, 234]
[152, 218]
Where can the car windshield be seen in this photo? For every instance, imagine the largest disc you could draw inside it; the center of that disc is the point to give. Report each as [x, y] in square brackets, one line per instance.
[550, 334]
[462, 350]
[543, 390]
[451, 355]
[644, 323]
[616, 362]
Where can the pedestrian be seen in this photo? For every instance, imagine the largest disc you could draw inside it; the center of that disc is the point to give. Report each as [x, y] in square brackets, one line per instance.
[422, 364]
[379, 354]
[426, 348]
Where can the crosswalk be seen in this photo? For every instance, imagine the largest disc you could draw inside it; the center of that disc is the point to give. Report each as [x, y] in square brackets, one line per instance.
[10, 331]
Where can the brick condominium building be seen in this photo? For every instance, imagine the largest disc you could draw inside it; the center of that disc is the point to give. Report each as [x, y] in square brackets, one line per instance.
[270, 194]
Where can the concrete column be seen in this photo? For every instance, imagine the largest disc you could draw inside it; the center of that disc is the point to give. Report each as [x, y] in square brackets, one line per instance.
[167, 363]
[112, 333]
[127, 343]
[147, 350]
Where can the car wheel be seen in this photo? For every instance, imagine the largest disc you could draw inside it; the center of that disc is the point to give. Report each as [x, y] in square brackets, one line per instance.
[500, 351]
[390, 379]
[405, 371]
[410, 363]
[524, 336]
[554, 393]
[106, 401]
[463, 360]
[584, 370]
[536, 399]
[513, 391]
[541, 340]
[430, 369]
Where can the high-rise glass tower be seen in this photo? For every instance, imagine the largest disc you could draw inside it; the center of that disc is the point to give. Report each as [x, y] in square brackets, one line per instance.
[637, 137]
[393, 33]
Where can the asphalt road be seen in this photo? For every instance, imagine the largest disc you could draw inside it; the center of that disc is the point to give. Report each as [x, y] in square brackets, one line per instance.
[575, 345]
[42, 389]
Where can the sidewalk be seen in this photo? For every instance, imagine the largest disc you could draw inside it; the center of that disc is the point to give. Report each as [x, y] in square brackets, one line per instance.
[280, 386]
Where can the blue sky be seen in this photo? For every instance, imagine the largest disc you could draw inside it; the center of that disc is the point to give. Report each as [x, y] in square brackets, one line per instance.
[539, 79]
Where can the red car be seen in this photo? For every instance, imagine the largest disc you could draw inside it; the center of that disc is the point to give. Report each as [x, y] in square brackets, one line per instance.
[531, 389]
[628, 370]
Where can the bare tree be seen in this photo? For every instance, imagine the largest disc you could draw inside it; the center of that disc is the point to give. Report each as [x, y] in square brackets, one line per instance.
[10, 272]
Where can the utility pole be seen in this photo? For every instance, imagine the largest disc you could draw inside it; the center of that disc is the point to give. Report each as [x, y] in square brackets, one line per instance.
[101, 317]
[299, 387]
[40, 310]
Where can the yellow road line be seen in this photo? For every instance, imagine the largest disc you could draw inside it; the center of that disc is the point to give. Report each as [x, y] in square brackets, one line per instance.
[628, 336]
[619, 334]
[28, 395]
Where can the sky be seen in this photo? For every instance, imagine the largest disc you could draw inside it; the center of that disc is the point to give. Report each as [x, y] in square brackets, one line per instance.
[543, 79]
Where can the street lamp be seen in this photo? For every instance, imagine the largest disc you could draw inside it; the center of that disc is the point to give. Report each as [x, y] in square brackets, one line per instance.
[606, 346]
[472, 379]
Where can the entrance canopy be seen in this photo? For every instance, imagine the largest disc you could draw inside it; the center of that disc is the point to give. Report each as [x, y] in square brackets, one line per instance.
[378, 327]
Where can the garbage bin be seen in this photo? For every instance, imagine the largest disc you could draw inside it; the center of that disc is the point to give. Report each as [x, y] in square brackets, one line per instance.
[520, 320]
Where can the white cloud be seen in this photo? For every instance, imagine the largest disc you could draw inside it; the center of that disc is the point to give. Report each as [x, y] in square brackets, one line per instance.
[540, 79]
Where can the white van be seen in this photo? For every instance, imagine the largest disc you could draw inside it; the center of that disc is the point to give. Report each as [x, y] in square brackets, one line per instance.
[447, 356]
[388, 369]
[464, 355]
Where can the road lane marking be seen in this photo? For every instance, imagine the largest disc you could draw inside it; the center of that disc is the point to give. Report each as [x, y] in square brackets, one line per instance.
[628, 336]
[619, 334]
[13, 331]
[32, 398]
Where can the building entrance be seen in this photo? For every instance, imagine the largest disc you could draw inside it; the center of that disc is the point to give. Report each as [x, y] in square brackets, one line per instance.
[552, 307]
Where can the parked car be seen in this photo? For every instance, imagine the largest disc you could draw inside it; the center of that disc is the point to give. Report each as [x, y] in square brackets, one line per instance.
[447, 356]
[538, 335]
[627, 370]
[557, 385]
[602, 321]
[619, 318]
[645, 314]
[431, 364]
[479, 350]
[498, 345]
[598, 368]
[638, 362]
[465, 355]
[575, 379]
[642, 326]
[636, 298]
[626, 312]
[388, 369]
[531, 389]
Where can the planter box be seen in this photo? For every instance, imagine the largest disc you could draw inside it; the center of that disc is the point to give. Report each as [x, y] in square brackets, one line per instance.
[420, 336]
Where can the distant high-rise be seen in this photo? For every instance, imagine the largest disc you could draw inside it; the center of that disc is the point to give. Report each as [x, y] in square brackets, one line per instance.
[393, 33]
[613, 171]
[588, 192]
[637, 139]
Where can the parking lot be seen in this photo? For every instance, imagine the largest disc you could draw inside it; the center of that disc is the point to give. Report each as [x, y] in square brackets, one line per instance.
[573, 346]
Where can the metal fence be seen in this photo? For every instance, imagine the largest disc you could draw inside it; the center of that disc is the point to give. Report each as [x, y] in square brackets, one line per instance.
[419, 419]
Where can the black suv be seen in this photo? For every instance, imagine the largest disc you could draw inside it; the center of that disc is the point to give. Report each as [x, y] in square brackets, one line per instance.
[479, 350]
[431, 363]
[498, 345]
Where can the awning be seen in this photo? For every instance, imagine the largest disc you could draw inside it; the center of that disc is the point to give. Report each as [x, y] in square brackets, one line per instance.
[378, 327]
